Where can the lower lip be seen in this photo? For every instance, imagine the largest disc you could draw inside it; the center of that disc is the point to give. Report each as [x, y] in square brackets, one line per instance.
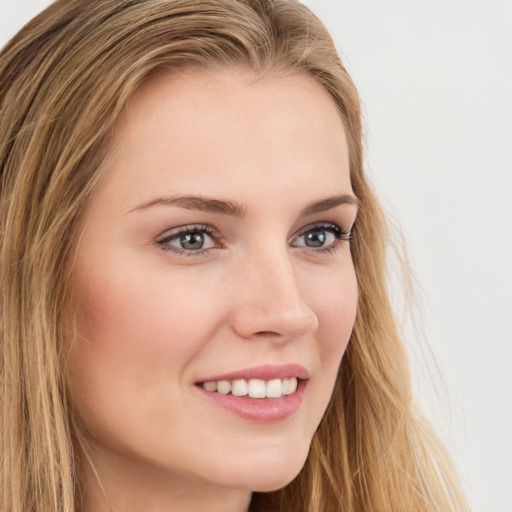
[259, 410]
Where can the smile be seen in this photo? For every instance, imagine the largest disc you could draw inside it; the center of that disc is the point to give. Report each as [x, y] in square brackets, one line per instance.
[254, 388]
[261, 394]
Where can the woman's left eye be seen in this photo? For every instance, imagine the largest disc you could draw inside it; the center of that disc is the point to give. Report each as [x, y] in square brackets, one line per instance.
[321, 237]
[189, 240]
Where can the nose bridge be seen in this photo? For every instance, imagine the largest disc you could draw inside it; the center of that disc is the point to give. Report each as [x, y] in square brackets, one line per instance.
[270, 299]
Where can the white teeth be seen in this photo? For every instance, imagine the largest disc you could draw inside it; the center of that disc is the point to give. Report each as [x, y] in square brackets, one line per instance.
[274, 388]
[210, 386]
[255, 388]
[239, 387]
[289, 386]
[224, 387]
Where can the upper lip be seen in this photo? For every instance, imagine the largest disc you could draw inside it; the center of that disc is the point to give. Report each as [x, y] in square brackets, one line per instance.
[263, 372]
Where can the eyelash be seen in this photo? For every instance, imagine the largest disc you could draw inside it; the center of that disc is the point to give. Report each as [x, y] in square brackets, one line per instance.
[340, 235]
[186, 230]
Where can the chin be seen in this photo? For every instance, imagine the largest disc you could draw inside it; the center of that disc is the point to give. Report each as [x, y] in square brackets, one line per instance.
[274, 482]
[270, 471]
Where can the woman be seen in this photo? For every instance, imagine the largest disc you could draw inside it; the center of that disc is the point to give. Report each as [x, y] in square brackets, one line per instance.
[192, 317]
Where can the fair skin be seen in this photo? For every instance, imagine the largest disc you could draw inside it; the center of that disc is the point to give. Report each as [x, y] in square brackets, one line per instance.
[171, 293]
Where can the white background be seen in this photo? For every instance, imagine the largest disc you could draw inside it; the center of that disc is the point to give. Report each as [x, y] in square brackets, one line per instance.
[436, 82]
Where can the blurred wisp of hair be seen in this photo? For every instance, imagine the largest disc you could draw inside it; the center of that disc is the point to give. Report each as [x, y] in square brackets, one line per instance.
[65, 78]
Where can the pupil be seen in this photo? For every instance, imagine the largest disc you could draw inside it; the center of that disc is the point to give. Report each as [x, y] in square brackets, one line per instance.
[315, 239]
[192, 240]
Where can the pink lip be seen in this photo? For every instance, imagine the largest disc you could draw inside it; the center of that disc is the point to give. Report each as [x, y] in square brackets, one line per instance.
[264, 372]
[260, 410]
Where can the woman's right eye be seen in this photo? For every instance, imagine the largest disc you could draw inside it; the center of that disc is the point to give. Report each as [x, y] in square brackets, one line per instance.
[189, 240]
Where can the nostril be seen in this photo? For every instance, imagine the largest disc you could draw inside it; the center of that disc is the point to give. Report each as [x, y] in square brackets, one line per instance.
[266, 334]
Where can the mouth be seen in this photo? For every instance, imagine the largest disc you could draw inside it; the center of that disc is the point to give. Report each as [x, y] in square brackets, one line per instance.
[262, 394]
[253, 388]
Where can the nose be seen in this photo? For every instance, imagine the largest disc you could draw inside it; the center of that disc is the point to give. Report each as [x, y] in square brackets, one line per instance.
[268, 301]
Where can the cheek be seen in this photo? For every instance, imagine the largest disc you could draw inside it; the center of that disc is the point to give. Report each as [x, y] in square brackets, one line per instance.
[141, 312]
[335, 304]
[136, 336]
[336, 310]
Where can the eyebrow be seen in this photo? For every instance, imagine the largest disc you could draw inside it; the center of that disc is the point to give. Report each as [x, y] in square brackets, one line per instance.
[234, 209]
[327, 204]
[204, 204]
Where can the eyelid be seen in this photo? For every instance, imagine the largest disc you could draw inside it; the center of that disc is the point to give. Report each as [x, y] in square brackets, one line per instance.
[188, 228]
[341, 237]
[323, 225]
[171, 234]
[163, 240]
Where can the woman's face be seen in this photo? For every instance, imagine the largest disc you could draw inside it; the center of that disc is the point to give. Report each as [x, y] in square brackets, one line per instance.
[214, 255]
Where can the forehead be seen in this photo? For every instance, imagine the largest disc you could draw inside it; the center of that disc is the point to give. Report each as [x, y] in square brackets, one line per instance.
[227, 129]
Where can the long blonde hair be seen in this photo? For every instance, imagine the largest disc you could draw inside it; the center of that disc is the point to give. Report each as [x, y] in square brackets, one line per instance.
[64, 80]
